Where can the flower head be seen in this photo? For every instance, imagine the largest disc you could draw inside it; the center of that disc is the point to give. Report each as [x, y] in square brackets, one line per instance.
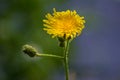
[64, 24]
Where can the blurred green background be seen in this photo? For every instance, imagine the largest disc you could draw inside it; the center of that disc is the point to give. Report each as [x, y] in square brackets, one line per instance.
[93, 56]
[21, 23]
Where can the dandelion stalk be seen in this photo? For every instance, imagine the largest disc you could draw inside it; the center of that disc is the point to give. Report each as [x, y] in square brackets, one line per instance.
[66, 48]
[49, 55]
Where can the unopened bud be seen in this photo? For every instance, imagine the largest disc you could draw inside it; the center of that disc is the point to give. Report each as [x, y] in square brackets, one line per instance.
[29, 50]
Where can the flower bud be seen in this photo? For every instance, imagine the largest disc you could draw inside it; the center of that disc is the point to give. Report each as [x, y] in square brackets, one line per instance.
[29, 50]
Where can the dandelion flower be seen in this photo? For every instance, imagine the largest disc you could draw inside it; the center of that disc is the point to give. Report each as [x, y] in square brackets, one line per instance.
[64, 24]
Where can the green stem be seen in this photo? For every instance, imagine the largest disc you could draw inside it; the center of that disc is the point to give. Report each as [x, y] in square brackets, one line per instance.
[66, 48]
[48, 55]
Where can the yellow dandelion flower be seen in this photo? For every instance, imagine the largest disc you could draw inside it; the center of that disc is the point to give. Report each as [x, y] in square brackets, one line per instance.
[62, 24]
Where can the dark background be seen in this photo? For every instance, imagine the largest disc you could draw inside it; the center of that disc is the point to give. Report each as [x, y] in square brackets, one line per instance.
[95, 55]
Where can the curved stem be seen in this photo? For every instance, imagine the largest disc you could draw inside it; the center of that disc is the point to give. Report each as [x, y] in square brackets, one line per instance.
[66, 48]
[48, 55]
